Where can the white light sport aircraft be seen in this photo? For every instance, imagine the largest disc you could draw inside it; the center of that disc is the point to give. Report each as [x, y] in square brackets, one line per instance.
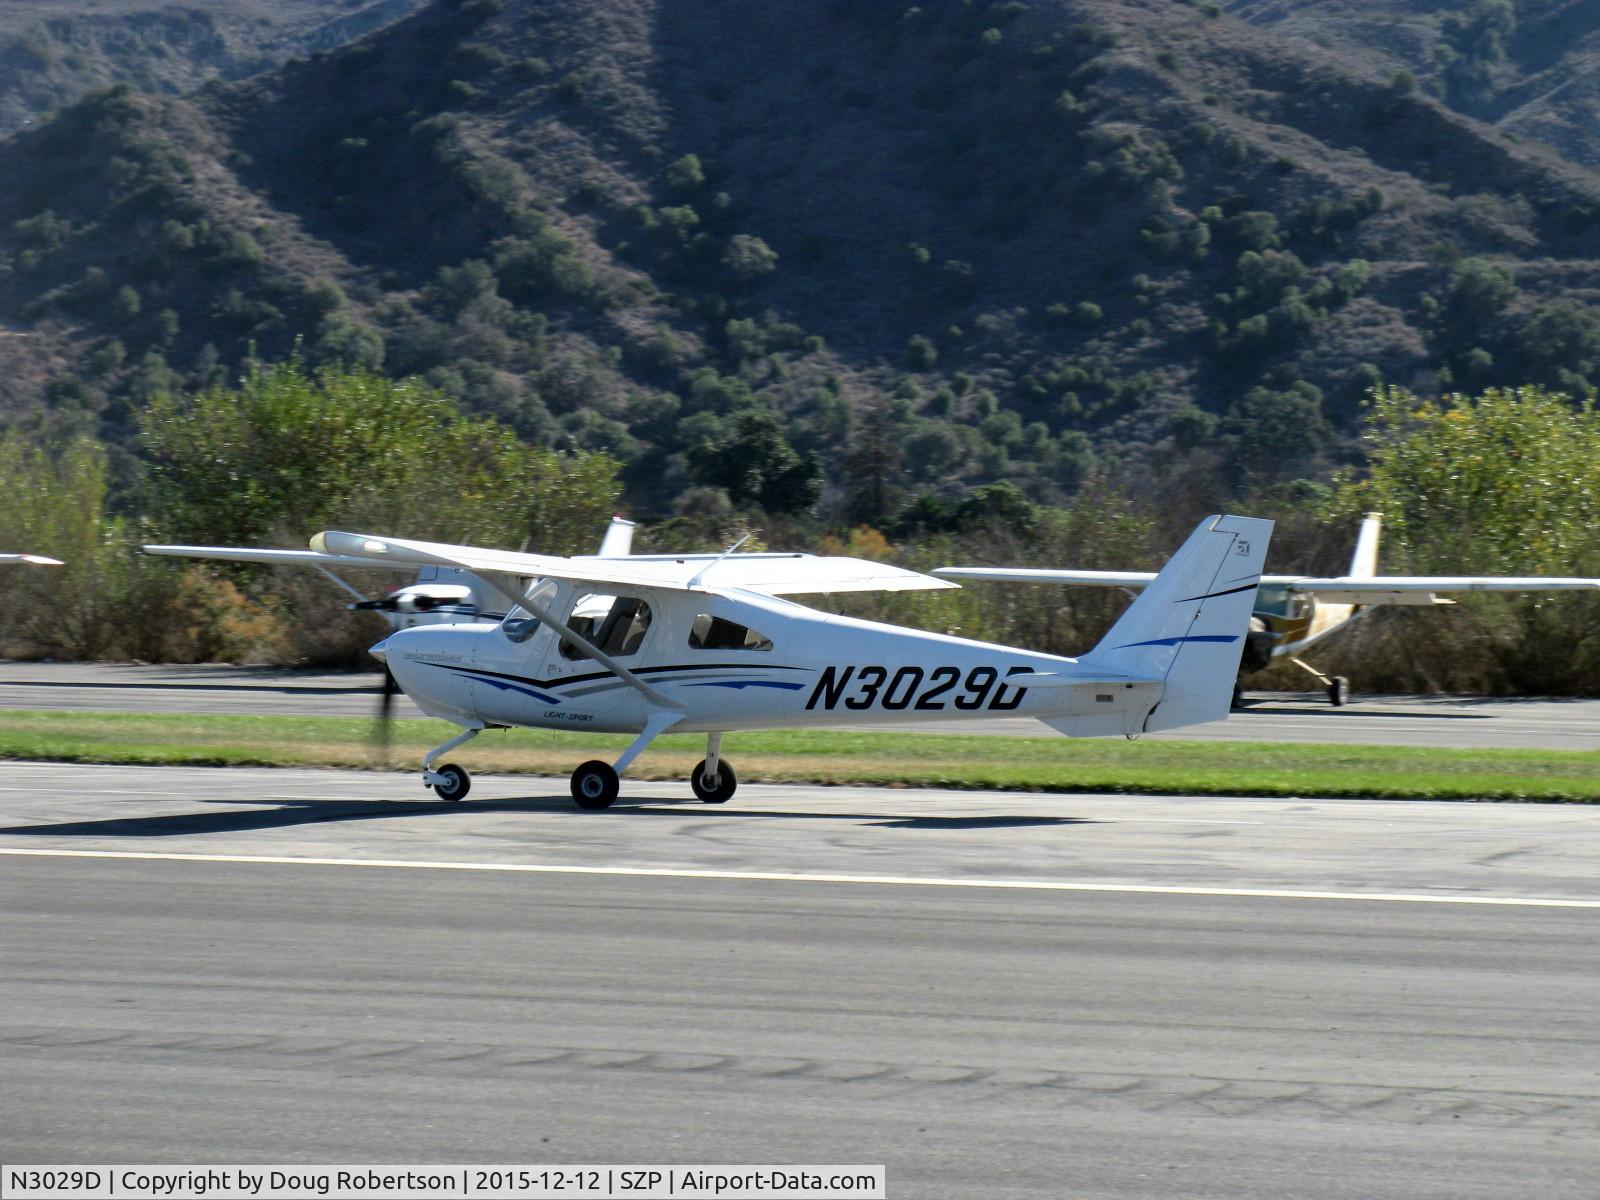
[705, 644]
[1294, 611]
[439, 595]
[37, 560]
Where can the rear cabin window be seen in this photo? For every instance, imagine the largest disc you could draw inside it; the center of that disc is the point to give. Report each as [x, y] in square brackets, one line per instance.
[713, 633]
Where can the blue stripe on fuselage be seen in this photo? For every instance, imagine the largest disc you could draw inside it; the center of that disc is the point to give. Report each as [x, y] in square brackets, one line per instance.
[1173, 641]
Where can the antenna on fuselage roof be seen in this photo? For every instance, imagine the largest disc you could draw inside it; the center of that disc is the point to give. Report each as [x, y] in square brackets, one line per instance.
[695, 582]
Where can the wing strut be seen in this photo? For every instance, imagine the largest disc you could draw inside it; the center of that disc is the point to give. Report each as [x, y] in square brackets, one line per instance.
[600, 656]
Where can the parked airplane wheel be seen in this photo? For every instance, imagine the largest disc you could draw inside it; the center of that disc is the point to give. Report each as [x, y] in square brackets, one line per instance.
[595, 785]
[1339, 691]
[455, 784]
[727, 783]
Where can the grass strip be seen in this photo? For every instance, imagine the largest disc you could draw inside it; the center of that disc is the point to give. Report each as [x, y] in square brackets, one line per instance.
[1043, 764]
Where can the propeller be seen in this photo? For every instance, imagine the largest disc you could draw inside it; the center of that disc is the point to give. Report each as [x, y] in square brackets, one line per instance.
[381, 730]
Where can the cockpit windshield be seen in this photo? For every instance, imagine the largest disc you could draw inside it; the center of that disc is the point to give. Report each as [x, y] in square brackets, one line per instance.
[520, 624]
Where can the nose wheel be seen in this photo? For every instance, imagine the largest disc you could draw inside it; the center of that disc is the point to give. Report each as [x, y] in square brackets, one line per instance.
[449, 782]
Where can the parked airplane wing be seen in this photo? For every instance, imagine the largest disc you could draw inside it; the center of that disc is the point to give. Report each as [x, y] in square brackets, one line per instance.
[1444, 583]
[1424, 589]
[37, 560]
[768, 574]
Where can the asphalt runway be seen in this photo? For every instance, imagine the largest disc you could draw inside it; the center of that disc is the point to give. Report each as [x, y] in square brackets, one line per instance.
[997, 995]
[1460, 721]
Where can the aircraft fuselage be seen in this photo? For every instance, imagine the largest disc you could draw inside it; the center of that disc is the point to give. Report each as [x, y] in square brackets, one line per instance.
[812, 669]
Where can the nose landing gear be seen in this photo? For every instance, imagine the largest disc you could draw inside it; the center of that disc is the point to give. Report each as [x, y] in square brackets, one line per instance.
[449, 782]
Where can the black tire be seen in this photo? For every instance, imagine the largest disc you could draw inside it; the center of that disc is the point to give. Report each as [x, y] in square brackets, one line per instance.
[595, 784]
[727, 783]
[1339, 691]
[455, 784]
[1237, 702]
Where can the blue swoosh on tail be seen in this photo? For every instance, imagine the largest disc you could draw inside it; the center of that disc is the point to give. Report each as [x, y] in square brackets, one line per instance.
[1173, 641]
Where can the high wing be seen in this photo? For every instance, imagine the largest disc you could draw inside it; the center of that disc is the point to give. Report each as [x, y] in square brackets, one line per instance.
[767, 574]
[293, 558]
[37, 560]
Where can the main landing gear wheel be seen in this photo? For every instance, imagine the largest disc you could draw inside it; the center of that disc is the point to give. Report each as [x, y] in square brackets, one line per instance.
[453, 783]
[1339, 691]
[727, 783]
[594, 785]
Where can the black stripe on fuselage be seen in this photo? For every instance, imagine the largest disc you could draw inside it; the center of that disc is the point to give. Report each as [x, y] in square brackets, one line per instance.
[563, 681]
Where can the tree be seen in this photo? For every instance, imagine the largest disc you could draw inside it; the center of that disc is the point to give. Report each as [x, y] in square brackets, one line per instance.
[1479, 292]
[1499, 483]
[748, 257]
[873, 461]
[55, 505]
[291, 451]
[686, 174]
[1268, 432]
[1502, 481]
[1562, 339]
[754, 462]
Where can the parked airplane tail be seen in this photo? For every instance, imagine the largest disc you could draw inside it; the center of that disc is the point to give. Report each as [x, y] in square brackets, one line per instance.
[1188, 627]
[1364, 562]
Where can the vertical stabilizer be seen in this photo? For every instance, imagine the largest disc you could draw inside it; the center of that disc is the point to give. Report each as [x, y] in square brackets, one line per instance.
[1364, 562]
[1188, 627]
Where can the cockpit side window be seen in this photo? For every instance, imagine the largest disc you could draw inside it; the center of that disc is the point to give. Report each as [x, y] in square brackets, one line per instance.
[714, 633]
[616, 624]
[1272, 598]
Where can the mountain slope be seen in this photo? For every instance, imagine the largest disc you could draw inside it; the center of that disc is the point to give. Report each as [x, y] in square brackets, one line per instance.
[927, 248]
[1528, 67]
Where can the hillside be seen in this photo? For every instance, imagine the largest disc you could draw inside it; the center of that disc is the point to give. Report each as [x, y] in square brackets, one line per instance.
[1528, 67]
[759, 250]
[53, 52]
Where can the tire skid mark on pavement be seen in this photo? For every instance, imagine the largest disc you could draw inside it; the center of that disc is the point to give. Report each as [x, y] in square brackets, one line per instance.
[1192, 1096]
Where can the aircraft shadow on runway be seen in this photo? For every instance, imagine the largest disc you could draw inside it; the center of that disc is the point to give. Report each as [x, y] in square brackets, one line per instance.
[1284, 710]
[284, 813]
[885, 820]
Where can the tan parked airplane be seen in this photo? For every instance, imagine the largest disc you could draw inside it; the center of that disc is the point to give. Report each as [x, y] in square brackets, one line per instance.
[1294, 611]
